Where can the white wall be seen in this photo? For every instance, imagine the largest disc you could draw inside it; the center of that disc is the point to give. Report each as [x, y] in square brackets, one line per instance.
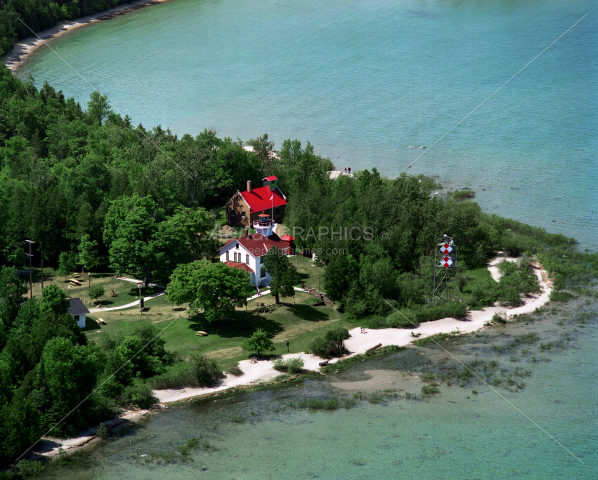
[253, 262]
[81, 321]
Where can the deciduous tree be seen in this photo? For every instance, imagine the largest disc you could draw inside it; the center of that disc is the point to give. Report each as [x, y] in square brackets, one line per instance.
[215, 287]
[284, 275]
[258, 342]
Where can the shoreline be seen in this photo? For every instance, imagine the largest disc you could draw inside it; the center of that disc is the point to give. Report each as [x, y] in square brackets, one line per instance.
[359, 343]
[262, 372]
[24, 48]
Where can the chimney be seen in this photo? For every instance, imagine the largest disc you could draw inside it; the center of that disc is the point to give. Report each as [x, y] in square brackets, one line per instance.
[246, 232]
[249, 186]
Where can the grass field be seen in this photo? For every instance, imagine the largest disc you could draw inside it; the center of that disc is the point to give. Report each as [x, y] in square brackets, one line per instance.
[295, 321]
[126, 292]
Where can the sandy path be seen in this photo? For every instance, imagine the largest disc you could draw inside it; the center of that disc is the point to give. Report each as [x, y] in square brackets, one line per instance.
[263, 371]
[22, 49]
[360, 342]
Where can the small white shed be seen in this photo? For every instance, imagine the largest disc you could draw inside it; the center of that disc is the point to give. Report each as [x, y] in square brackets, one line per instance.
[79, 311]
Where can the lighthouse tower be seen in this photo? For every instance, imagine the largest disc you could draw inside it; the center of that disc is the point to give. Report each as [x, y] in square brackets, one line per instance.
[264, 225]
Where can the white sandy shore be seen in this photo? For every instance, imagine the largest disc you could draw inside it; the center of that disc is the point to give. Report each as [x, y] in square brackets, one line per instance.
[22, 49]
[359, 343]
[263, 371]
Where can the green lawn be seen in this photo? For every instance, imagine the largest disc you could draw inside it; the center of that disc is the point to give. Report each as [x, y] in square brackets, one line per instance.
[295, 321]
[126, 292]
[313, 277]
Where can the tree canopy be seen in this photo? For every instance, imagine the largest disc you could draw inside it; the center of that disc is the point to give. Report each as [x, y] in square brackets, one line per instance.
[214, 287]
[284, 275]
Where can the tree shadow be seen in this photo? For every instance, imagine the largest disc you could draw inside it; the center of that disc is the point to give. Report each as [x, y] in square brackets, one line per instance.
[241, 325]
[145, 292]
[91, 324]
[307, 312]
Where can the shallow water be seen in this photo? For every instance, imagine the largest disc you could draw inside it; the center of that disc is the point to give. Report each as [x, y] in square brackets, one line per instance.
[456, 434]
[364, 82]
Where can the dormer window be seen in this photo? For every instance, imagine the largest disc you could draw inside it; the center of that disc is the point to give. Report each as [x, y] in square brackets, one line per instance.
[237, 246]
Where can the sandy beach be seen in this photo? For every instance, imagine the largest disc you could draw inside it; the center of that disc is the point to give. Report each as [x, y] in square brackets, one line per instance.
[359, 343]
[24, 48]
[262, 371]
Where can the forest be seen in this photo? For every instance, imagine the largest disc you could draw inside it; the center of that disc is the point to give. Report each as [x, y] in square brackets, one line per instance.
[95, 191]
[42, 14]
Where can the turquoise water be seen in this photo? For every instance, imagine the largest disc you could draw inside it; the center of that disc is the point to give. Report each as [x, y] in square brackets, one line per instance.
[457, 434]
[363, 81]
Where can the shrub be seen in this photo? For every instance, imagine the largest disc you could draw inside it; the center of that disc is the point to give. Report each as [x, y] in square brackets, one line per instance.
[200, 372]
[462, 194]
[559, 296]
[203, 370]
[323, 348]
[291, 365]
[444, 310]
[102, 432]
[332, 343]
[236, 371]
[499, 317]
[139, 394]
[398, 320]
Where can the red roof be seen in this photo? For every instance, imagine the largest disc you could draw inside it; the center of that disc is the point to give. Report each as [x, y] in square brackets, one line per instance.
[240, 266]
[263, 198]
[259, 245]
[270, 179]
[287, 238]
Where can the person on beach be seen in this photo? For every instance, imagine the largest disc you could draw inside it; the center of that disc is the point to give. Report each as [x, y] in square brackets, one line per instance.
[345, 170]
[349, 168]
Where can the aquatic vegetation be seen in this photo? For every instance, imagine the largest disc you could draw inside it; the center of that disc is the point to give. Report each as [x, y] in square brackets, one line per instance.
[430, 390]
[434, 339]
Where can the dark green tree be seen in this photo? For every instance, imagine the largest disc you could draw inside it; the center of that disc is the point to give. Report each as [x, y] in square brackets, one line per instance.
[88, 254]
[258, 342]
[98, 107]
[12, 290]
[284, 275]
[66, 264]
[54, 300]
[215, 287]
[96, 291]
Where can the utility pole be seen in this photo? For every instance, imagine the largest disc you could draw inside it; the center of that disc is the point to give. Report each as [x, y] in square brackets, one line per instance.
[30, 270]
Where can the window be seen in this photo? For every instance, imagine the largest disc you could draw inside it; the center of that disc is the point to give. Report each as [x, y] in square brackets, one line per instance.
[261, 260]
[243, 213]
[277, 211]
[263, 273]
[237, 246]
[247, 258]
[227, 256]
[232, 212]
